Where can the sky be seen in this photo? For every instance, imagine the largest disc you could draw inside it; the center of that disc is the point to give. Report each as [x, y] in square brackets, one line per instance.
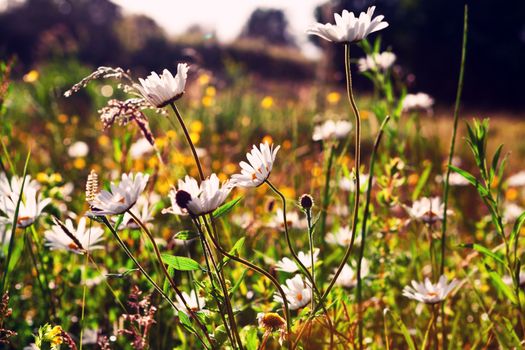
[226, 17]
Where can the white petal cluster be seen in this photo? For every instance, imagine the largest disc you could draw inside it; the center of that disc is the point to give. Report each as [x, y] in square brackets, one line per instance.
[190, 198]
[161, 90]
[517, 180]
[331, 130]
[258, 168]
[292, 220]
[349, 28]
[342, 237]
[290, 266]
[88, 237]
[430, 293]
[144, 209]
[454, 179]
[376, 61]
[427, 210]
[348, 276]
[417, 101]
[79, 149]
[511, 212]
[194, 302]
[121, 197]
[12, 188]
[297, 291]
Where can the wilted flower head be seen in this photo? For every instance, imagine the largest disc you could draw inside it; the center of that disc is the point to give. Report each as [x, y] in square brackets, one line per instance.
[162, 90]
[417, 101]
[348, 276]
[194, 302]
[190, 198]
[349, 28]
[290, 266]
[331, 130]
[271, 322]
[77, 240]
[376, 61]
[428, 292]
[427, 210]
[298, 293]
[121, 197]
[258, 168]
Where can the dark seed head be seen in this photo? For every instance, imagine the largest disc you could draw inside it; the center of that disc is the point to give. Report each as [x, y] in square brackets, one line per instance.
[306, 201]
[182, 198]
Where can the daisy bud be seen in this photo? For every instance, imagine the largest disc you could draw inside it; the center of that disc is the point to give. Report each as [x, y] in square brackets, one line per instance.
[306, 201]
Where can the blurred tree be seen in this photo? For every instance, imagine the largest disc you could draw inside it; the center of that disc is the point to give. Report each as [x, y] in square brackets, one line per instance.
[269, 25]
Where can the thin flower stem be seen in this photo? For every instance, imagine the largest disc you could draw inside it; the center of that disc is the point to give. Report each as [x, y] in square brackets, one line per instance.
[363, 231]
[357, 165]
[84, 289]
[188, 139]
[311, 240]
[256, 268]
[450, 156]
[167, 274]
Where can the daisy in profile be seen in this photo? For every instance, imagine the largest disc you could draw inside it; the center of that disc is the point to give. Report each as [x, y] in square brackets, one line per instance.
[64, 236]
[427, 210]
[331, 130]
[194, 302]
[159, 91]
[298, 293]
[428, 292]
[288, 265]
[348, 28]
[348, 276]
[30, 207]
[121, 197]
[191, 198]
[376, 61]
[417, 101]
[258, 168]
[270, 322]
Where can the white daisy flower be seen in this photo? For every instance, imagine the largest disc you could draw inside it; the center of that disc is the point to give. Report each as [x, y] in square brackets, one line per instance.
[348, 276]
[331, 130]
[60, 236]
[12, 188]
[517, 180]
[288, 265]
[162, 90]
[348, 28]
[342, 237]
[258, 168]
[30, 207]
[428, 292]
[79, 149]
[347, 183]
[140, 148]
[121, 197]
[455, 179]
[298, 293]
[293, 219]
[194, 302]
[427, 210]
[190, 198]
[377, 61]
[417, 101]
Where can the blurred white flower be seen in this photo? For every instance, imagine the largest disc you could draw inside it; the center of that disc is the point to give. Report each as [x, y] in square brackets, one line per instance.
[342, 237]
[31, 207]
[297, 291]
[290, 266]
[190, 198]
[417, 101]
[427, 210]
[12, 188]
[348, 276]
[376, 61]
[140, 148]
[347, 183]
[511, 212]
[5, 232]
[79, 149]
[517, 180]
[331, 130]
[455, 179]
[428, 292]
[162, 90]
[121, 197]
[292, 219]
[87, 237]
[258, 168]
[194, 302]
[508, 279]
[348, 28]
[144, 209]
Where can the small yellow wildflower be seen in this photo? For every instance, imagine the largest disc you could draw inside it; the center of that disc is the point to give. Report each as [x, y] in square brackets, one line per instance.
[207, 101]
[103, 140]
[211, 91]
[267, 102]
[31, 76]
[195, 137]
[204, 79]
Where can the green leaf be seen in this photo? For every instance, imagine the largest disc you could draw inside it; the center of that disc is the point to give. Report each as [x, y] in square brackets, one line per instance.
[239, 281]
[181, 263]
[225, 208]
[501, 286]
[402, 328]
[185, 235]
[252, 341]
[495, 160]
[236, 248]
[483, 250]
[185, 321]
[471, 179]
[517, 228]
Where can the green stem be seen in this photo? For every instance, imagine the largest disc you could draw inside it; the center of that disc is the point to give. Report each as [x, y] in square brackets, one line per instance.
[363, 230]
[311, 241]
